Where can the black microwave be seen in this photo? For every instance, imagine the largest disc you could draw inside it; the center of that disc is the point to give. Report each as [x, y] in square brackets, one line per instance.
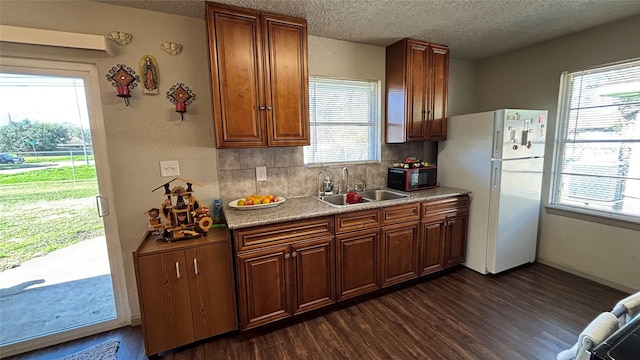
[417, 178]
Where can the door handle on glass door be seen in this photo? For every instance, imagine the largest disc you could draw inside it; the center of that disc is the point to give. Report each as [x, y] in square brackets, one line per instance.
[103, 206]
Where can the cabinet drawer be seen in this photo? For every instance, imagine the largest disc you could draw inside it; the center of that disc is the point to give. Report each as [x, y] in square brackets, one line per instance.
[357, 220]
[247, 239]
[445, 206]
[400, 213]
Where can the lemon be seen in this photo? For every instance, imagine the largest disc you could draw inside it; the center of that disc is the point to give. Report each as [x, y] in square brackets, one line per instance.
[240, 202]
[266, 201]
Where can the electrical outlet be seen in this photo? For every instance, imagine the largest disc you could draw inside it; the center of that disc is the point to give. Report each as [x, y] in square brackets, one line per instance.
[261, 173]
[169, 168]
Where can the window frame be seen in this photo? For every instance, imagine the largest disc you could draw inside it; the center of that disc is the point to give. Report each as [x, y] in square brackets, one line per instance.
[575, 211]
[376, 125]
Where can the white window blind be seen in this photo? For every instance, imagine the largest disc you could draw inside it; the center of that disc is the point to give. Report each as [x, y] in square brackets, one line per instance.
[344, 116]
[598, 153]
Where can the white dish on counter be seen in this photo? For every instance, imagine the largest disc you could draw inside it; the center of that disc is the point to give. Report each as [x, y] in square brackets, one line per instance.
[234, 204]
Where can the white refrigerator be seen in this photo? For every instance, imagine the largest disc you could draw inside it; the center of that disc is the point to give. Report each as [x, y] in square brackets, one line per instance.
[498, 155]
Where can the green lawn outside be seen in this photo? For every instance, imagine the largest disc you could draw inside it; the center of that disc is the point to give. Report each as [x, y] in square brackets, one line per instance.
[42, 211]
[37, 159]
[40, 161]
[64, 173]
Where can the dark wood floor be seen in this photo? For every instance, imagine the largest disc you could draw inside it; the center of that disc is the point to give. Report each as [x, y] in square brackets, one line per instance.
[529, 313]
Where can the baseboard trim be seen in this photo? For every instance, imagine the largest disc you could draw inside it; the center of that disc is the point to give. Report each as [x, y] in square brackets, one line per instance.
[599, 280]
[136, 321]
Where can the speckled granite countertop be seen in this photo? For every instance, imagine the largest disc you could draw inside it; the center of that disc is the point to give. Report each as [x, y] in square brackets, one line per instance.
[310, 207]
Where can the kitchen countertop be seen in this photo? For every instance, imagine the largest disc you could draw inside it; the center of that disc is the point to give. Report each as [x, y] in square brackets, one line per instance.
[310, 207]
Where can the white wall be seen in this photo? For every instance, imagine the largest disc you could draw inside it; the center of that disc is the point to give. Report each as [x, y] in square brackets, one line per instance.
[530, 78]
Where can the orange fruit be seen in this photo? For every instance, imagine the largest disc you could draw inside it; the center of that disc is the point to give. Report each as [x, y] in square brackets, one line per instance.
[240, 202]
[266, 201]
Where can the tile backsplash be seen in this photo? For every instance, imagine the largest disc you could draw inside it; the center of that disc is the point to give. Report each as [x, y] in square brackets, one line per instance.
[287, 176]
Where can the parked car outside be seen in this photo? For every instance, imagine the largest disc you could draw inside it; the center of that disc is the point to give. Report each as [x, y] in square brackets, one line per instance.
[10, 159]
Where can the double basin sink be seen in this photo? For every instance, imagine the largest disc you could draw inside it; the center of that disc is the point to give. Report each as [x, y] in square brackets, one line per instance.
[367, 196]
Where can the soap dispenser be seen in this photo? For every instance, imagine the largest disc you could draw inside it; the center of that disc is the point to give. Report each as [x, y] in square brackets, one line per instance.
[328, 187]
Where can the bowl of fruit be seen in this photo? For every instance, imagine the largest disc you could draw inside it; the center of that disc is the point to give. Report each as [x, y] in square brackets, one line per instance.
[255, 202]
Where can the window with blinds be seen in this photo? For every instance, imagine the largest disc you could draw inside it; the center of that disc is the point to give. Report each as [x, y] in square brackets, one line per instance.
[598, 150]
[345, 121]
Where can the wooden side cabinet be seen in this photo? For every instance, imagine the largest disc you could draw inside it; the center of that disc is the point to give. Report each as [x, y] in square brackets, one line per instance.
[186, 290]
[417, 77]
[259, 76]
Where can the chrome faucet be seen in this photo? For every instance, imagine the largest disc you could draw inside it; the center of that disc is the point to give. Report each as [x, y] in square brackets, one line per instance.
[345, 183]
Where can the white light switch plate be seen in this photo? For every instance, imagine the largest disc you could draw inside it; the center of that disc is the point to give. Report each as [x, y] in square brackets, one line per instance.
[261, 173]
[169, 168]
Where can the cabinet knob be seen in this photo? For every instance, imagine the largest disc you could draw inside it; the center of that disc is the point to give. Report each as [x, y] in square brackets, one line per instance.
[287, 255]
[294, 254]
[261, 107]
[269, 107]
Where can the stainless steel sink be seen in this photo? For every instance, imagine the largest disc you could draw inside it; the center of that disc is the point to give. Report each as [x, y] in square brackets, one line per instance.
[367, 196]
[381, 195]
[338, 200]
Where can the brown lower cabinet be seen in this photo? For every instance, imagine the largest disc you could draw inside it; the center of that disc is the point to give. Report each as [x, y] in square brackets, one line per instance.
[283, 280]
[288, 268]
[399, 252]
[186, 290]
[284, 269]
[400, 236]
[357, 263]
[444, 233]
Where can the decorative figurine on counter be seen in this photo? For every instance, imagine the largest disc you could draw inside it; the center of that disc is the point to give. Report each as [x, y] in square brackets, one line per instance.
[154, 217]
[184, 216]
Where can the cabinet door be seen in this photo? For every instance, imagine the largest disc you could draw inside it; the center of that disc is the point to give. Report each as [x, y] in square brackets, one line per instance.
[237, 77]
[212, 289]
[431, 243]
[455, 239]
[437, 93]
[417, 76]
[287, 87]
[399, 253]
[358, 264]
[313, 274]
[164, 299]
[263, 289]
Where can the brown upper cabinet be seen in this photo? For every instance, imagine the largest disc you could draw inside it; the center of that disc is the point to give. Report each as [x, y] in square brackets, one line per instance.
[259, 77]
[417, 78]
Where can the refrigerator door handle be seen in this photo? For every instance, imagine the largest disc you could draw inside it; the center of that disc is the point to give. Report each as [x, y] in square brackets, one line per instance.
[495, 175]
[498, 141]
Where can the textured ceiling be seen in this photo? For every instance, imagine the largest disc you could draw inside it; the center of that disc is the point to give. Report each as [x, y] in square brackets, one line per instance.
[473, 29]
